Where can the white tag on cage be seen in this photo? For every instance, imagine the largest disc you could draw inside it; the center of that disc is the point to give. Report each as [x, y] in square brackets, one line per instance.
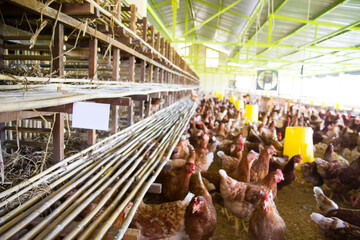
[90, 115]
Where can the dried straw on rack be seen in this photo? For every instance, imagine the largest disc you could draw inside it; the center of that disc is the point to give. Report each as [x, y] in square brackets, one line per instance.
[115, 162]
[54, 95]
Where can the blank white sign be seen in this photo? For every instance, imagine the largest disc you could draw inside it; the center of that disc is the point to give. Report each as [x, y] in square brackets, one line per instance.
[90, 115]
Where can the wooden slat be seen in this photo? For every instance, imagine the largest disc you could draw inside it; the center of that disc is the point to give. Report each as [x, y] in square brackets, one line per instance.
[85, 10]
[122, 101]
[30, 143]
[12, 116]
[26, 47]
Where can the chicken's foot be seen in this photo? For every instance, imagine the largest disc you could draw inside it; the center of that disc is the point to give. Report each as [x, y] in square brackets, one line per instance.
[225, 212]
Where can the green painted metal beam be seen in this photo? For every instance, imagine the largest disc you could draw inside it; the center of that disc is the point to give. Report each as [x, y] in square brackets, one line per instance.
[186, 17]
[265, 45]
[160, 13]
[306, 26]
[252, 17]
[261, 26]
[324, 38]
[209, 25]
[221, 8]
[333, 34]
[270, 25]
[161, 24]
[161, 4]
[211, 18]
[277, 61]
[300, 20]
[174, 6]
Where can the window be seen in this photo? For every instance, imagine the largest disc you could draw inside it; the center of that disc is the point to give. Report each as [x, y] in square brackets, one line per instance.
[212, 58]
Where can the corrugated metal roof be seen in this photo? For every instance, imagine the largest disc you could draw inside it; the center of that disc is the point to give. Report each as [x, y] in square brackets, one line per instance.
[302, 31]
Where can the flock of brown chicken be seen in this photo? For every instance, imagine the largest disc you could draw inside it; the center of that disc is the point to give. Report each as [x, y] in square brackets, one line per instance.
[252, 170]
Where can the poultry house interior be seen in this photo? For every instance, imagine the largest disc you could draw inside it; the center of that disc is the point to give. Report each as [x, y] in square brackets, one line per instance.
[182, 119]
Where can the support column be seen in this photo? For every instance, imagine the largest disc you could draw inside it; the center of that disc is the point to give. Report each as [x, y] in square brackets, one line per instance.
[91, 137]
[93, 45]
[156, 74]
[132, 58]
[58, 50]
[2, 137]
[131, 113]
[114, 119]
[141, 109]
[58, 138]
[150, 73]
[161, 77]
[142, 71]
[147, 108]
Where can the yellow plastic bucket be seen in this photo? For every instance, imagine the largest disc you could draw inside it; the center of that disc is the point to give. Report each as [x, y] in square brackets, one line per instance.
[232, 99]
[299, 140]
[216, 93]
[251, 112]
[237, 104]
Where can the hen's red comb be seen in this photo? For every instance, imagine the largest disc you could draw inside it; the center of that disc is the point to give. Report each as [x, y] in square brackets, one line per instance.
[266, 197]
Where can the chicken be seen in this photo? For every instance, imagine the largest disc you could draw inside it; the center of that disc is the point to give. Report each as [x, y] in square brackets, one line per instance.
[155, 104]
[334, 228]
[310, 173]
[159, 221]
[240, 198]
[351, 175]
[242, 171]
[182, 150]
[266, 222]
[176, 183]
[329, 208]
[221, 133]
[260, 167]
[289, 171]
[200, 214]
[272, 180]
[212, 147]
[204, 158]
[329, 154]
[229, 163]
[330, 172]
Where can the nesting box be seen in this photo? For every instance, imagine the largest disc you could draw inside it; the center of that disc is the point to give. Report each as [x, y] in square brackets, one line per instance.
[251, 112]
[299, 140]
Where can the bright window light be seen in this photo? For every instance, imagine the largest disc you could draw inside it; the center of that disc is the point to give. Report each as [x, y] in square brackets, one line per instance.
[212, 58]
